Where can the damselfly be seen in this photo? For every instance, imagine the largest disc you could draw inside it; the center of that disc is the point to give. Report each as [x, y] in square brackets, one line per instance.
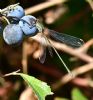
[61, 37]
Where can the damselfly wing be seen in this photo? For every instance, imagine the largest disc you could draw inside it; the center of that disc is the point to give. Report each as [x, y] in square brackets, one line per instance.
[65, 38]
[43, 55]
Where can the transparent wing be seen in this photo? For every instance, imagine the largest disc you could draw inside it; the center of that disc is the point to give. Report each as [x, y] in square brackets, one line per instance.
[67, 39]
[43, 56]
[50, 51]
[49, 46]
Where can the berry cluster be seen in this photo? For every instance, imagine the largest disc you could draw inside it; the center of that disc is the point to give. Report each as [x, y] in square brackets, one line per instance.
[19, 24]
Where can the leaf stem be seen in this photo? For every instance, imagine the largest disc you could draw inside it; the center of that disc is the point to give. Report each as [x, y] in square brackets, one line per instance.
[12, 73]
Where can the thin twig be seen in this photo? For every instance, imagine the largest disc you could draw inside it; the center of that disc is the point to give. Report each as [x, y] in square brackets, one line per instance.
[6, 19]
[84, 82]
[43, 6]
[24, 59]
[78, 71]
[90, 3]
[85, 47]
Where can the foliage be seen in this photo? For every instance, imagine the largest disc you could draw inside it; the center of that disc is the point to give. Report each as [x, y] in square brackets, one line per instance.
[40, 88]
[77, 95]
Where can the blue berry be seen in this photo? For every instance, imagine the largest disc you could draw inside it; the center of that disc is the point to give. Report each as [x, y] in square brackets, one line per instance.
[17, 11]
[28, 25]
[12, 34]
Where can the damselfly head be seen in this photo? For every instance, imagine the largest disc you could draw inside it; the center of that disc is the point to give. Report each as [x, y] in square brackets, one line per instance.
[39, 26]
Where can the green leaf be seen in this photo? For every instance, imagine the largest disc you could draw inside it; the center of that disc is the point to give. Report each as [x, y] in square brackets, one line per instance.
[77, 95]
[40, 88]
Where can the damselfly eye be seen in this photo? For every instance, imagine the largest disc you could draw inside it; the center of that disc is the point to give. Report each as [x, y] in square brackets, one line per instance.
[32, 22]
